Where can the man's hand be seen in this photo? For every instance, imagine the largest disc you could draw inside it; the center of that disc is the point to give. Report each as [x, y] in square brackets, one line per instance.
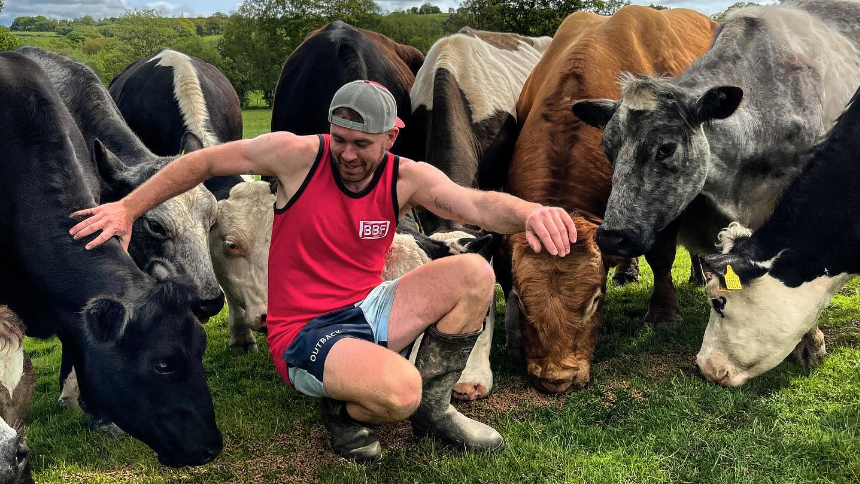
[111, 218]
[552, 228]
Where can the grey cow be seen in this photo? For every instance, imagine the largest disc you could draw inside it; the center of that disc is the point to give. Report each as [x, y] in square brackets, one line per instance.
[724, 139]
[178, 229]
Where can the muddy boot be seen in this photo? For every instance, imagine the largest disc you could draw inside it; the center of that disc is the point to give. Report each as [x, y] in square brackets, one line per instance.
[440, 360]
[349, 438]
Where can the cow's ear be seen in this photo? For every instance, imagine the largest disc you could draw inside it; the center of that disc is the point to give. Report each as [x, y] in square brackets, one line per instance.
[595, 112]
[190, 142]
[111, 169]
[105, 319]
[478, 244]
[719, 103]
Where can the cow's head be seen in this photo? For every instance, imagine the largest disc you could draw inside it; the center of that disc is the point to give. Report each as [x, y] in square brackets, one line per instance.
[561, 302]
[751, 330]
[17, 381]
[239, 244]
[176, 231]
[411, 249]
[655, 138]
[140, 363]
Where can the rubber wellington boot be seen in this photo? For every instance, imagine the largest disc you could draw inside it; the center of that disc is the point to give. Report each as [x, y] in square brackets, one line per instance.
[441, 359]
[349, 438]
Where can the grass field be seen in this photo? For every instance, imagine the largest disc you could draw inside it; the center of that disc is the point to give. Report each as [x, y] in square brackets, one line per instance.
[647, 417]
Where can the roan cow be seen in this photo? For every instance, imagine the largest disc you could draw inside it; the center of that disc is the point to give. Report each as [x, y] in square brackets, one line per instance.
[17, 380]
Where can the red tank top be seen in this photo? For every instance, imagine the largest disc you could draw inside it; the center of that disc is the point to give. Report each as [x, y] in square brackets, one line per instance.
[328, 246]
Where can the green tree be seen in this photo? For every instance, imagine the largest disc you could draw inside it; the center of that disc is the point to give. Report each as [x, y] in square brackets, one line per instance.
[8, 41]
[525, 17]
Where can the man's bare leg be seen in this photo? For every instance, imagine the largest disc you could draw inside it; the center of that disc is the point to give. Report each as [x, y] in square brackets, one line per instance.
[380, 385]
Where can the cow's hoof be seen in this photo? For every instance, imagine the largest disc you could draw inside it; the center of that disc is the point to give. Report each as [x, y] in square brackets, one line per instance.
[69, 403]
[625, 277]
[469, 391]
[810, 351]
[244, 346]
[663, 318]
[106, 427]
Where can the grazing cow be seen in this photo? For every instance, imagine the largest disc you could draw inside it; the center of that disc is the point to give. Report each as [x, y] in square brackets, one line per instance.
[168, 94]
[558, 161]
[239, 243]
[17, 379]
[136, 346]
[329, 58]
[177, 229]
[789, 268]
[464, 106]
[723, 139]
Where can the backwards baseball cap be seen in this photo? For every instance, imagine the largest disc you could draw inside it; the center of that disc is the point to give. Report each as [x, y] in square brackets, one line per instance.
[372, 101]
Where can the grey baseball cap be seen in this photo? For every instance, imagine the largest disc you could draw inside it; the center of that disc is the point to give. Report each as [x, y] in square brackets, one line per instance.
[372, 101]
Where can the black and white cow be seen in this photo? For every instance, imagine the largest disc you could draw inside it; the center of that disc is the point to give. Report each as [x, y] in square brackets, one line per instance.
[137, 347]
[176, 230]
[168, 94]
[329, 58]
[464, 108]
[789, 268]
[17, 381]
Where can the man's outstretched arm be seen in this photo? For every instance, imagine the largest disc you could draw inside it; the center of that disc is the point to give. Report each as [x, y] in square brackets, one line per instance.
[550, 227]
[265, 155]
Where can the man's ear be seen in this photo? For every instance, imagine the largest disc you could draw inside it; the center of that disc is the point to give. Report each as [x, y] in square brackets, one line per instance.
[392, 137]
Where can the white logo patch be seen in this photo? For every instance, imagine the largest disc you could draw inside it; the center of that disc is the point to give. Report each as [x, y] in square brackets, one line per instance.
[373, 229]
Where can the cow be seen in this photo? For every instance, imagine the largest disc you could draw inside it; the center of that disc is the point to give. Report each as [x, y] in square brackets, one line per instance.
[329, 58]
[17, 379]
[788, 269]
[168, 94]
[464, 106]
[136, 345]
[722, 140]
[558, 161]
[177, 229]
[239, 243]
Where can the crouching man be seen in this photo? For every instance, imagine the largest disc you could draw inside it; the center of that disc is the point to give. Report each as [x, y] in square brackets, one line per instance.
[336, 331]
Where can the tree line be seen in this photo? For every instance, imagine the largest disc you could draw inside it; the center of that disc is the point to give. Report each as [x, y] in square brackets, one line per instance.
[250, 45]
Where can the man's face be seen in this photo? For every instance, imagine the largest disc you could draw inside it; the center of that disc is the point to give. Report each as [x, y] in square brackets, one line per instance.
[358, 154]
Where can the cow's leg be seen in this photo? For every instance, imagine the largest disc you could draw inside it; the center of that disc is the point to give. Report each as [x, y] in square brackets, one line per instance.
[811, 349]
[663, 307]
[626, 272]
[68, 383]
[696, 276]
[476, 381]
[513, 330]
[241, 337]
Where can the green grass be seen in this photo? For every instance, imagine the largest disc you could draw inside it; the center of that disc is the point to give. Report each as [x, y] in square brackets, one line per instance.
[38, 39]
[256, 122]
[646, 417]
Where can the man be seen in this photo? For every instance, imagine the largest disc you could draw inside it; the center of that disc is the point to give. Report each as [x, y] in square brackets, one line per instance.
[335, 329]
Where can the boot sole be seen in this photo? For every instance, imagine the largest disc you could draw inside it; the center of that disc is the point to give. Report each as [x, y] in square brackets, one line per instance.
[368, 453]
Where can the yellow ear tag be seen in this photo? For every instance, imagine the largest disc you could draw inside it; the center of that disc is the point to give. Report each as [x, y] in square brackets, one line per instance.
[733, 282]
[183, 153]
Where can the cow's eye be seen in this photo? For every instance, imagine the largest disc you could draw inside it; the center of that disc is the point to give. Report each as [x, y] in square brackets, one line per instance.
[163, 368]
[719, 304]
[232, 248]
[155, 228]
[665, 151]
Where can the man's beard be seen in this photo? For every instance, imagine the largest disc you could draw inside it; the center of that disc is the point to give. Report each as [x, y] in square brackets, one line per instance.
[355, 172]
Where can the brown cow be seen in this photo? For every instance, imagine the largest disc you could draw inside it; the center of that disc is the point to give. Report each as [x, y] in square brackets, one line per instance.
[558, 160]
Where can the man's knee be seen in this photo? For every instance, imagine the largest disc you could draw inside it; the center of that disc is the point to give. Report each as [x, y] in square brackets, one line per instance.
[479, 280]
[403, 393]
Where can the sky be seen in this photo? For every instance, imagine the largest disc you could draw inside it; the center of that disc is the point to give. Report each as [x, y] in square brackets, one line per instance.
[113, 8]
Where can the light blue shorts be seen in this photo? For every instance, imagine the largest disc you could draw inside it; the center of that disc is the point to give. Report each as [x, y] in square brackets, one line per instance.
[377, 310]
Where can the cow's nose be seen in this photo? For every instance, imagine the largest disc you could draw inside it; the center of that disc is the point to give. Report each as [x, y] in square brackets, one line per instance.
[617, 242]
[716, 368]
[206, 308]
[21, 456]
